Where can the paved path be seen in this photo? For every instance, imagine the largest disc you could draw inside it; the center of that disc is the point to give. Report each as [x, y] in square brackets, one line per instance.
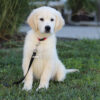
[74, 32]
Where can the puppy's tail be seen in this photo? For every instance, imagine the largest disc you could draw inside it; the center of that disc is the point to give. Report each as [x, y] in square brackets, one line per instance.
[71, 70]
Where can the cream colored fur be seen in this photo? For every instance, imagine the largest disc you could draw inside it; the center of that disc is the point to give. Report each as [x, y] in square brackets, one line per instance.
[46, 65]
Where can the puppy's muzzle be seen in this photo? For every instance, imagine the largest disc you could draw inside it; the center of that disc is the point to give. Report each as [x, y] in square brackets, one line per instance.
[47, 29]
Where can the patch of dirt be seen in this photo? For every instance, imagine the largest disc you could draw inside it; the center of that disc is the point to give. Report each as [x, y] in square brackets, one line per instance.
[10, 41]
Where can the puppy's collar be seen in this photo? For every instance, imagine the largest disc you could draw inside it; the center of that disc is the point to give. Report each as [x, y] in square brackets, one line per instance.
[42, 39]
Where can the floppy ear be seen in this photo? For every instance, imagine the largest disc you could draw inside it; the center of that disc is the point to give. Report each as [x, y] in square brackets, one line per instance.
[32, 21]
[59, 22]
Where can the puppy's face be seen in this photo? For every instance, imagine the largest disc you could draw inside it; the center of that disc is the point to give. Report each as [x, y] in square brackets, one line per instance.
[46, 23]
[45, 20]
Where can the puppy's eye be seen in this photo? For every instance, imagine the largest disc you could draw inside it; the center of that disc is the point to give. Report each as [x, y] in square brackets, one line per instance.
[52, 19]
[41, 19]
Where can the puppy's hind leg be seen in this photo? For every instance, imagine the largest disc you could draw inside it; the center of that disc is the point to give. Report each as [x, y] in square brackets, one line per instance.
[62, 71]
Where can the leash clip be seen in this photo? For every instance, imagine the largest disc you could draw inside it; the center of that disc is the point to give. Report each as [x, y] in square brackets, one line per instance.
[35, 50]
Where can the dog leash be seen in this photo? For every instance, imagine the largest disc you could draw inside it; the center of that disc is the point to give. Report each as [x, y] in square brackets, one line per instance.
[31, 61]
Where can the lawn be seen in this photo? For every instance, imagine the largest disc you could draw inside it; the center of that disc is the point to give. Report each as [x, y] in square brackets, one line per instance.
[81, 54]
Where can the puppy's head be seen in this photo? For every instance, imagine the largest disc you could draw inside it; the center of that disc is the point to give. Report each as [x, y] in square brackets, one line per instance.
[45, 20]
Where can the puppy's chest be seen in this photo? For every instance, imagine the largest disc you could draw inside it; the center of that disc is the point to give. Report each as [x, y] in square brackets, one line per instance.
[41, 51]
[38, 64]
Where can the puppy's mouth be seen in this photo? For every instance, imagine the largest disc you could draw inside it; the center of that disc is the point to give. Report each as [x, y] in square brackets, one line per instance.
[47, 32]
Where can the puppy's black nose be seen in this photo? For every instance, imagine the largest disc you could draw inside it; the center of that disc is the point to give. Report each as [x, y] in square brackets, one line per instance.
[47, 28]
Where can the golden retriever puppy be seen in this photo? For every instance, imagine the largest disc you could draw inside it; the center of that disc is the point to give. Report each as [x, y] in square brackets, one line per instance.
[44, 21]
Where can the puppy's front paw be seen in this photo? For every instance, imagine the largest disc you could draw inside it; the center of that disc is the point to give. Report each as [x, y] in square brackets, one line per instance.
[45, 86]
[27, 87]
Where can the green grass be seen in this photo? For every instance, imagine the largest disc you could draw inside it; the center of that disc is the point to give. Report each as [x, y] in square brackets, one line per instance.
[85, 85]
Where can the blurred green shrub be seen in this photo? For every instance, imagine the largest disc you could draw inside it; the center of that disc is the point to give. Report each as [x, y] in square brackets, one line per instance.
[76, 5]
[12, 14]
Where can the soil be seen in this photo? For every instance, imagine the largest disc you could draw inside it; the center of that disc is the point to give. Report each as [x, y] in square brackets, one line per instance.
[5, 42]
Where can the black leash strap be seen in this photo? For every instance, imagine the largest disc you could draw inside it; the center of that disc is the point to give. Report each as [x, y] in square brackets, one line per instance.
[32, 58]
[18, 82]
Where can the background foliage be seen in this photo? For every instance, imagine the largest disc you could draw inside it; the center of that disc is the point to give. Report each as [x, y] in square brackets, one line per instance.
[12, 13]
[76, 5]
